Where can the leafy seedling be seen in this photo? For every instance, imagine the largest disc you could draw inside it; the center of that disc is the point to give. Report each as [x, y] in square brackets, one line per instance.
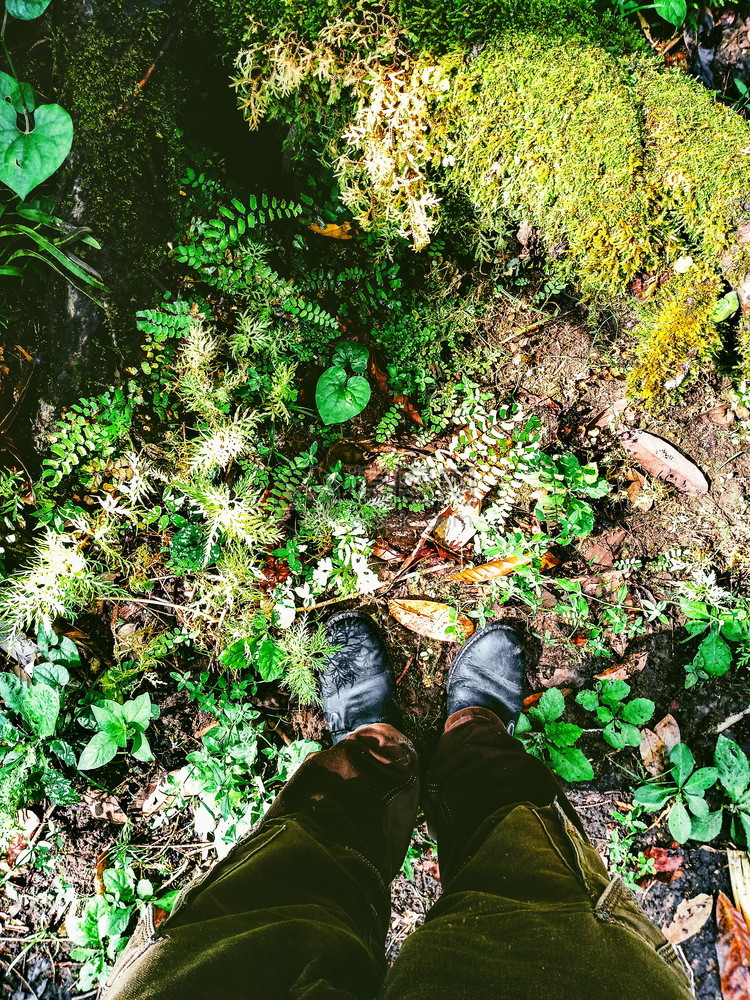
[338, 395]
[685, 788]
[714, 656]
[118, 725]
[619, 718]
[734, 777]
[551, 740]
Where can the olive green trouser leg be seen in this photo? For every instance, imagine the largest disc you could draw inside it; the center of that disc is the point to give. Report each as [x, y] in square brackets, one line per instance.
[300, 908]
[528, 911]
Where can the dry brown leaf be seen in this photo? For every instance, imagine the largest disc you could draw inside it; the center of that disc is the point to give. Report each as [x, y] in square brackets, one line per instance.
[490, 570]
[739, 874]
[720, 416]
[164, 792]
[335, 232]
[458, 526]
[549, 561]
[603, 552]
[732, 950]
[104, 806]
[689, 917]
[432, 619]
[656, 744]
[382, 550]
[664, 461]
[633, 665]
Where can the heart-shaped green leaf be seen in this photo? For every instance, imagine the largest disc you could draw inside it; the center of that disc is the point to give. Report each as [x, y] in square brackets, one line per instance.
[26, 10]
[352, 354]
[339, 397]
[28, 158]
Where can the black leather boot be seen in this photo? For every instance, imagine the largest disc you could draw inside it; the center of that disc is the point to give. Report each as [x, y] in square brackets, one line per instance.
[357, 685]
[488, 672]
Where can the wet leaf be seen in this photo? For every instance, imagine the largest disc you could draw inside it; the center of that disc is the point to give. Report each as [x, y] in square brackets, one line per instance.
[432, 619]
[689, 917]
[490, 570]
[664, 461]
[732, 950]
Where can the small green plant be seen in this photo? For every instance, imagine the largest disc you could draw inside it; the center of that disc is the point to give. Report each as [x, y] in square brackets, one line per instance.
[682, 790]
[734, 778]
[388, 424]
[99, 932]
[340, 396]
[723, 617]
[187, 549]
[119, 725]
[619, 717]
[544, 735]
[623, 860]
[32, 749]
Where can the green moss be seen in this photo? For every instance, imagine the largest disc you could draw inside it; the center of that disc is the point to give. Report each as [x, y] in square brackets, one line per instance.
[551, 133]
[680, 330]
[125, 151]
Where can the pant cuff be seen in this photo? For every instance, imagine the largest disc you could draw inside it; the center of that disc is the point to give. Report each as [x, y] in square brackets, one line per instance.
[475, 713]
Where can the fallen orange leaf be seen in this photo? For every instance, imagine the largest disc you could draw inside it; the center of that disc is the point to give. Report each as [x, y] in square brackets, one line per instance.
[490, 570]
[336, 232]
[732, 950]
[432, 619]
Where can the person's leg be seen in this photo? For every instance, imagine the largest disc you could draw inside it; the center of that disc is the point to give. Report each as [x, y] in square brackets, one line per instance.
[528, 910]
[300, 908]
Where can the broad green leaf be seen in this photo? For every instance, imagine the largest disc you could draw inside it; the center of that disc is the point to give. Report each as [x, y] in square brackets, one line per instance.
[653, 796]
[167, 901]
[704, 777]
[733, 630]
[270, 659]
[118, 882]
[352, 354]
[54, 674]
[706, 827]
[714, 655]
[12, 691]
[604, 715]
[673, 11]
[571, 764]
[551, 704]
[679, 822]
[141, 749]
[695, 609]
[638, 711]
[40, 709]
[145, 888]
[99, 751]
[563, 734]
[733, 767]
[26, 10]
[631, 734]
[696, 804]
[64, 751]
[614, 691]
[588, 700]
[523, 725]
[744, 818]
[340, 397]
[726, 306]
[137, 712]
[614, 735]
[29, 157]
[683, 761]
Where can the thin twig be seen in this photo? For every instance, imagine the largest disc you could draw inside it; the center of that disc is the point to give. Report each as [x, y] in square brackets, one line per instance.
[731, 720]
